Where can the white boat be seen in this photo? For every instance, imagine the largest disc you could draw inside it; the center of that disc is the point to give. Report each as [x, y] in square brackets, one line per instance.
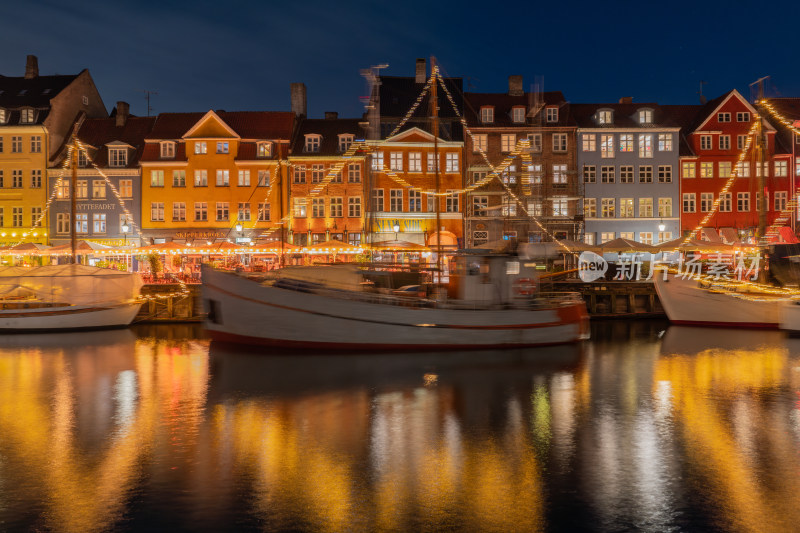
[325, 307]
[66, 297]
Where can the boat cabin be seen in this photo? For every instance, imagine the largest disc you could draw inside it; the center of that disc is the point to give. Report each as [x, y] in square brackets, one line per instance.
[492, 278]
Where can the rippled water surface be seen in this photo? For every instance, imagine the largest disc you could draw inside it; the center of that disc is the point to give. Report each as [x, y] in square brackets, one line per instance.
[644, 428]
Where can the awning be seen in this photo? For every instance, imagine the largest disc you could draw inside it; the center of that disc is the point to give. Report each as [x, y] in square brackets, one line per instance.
[729, 235]
[710, 235]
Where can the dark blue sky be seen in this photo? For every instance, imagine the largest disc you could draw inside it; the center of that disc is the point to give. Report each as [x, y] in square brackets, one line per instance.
[236, 55]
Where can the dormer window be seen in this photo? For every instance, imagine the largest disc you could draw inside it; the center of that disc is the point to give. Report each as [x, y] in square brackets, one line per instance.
[82, 162]
[117, 157]
[487, 114]
[345, 140]
[645, 116]
[264, 149]
[605, 116]
[167, 150]
[518, 115]
[26, 116]
[3, 116]
[312, 143]
[552, 114]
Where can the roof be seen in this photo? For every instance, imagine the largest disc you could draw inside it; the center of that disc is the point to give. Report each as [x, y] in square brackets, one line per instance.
[504, 102]
[684, 116]
[329, 129]
[17, 92]
[398, 94]
[247, 124]
[624, 115]
[97, 132]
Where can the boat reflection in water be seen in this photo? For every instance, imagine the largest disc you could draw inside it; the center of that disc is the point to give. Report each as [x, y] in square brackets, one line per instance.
[646, 427]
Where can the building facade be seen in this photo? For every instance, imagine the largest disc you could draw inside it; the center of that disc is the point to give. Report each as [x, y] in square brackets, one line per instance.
[215, 176]
[628, 156]
[539, 197]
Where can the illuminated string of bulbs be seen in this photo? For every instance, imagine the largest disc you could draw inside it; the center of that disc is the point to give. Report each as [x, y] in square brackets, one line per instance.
[783, 217]
[417, 102]
[789, 124]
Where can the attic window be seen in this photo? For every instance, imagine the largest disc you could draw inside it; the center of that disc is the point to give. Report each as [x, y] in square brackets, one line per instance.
[2, 115]
[645, 116]
[312, 143]
[487, 114]
[82, 161]
[605, 116]
[167, 150]
[26, 116]
[23, 92]
[117, 157]
[345, 140]
[552, 114]
[518, 115]
[264, 149]
[47, 91]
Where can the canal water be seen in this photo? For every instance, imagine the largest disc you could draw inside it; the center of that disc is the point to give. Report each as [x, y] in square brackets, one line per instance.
[646, 427]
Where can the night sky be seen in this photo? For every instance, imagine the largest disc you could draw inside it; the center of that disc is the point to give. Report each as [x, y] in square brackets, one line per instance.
[243, 55]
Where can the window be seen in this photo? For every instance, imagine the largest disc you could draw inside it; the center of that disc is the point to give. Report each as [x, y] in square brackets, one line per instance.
[16, 145]
[99, 223]
[451, 162]
[689, 170]
[36, 144]
[487, 114]
[646, 145]
[3, 116]
[626, 174]
[559, 141]
[707, 170]
[780, 200]
[518, 114]
[589, 142]
[536, 142]
[560, 207]
[396, 161]
[263, 149]
[589, 174]
[741, 142]
[337, 205]
[688, 202]
[62, 223]
[354, 238]
[317, 173]
[16, 179]
[607, 236]
[263, 212]
[645, 116]
[723, 117]
[222, 147]
[243, 213]
[743, 169]
[354, 207]
[377, 161]
[590, 207]
[200, 211]
[626, 142]
[781, 169]
[179, 178]
[62, 188]
[414, 201]
[645, 174]
[264, 178]
[345, 140]
[664, 142]
[509, 175]
[588, 238]
[82, 223]
[126, 188]
[743, 117]
[480, 237]
[98, 188]
[724, 169]
[118, 157]
[743, 202]
[706, 201]
[724, 142]
[201, 178]
[299, 175]
[36, 179]
[167, 150]
[16, 217]
[607, 145]
[509, 207]
[414, 162]
[396, 200]
[645, 208]
[222, 211]
[156, 178]
[665, 173]
[318, 207]
[607, 207]
[244, 178]
[156, 211]
[665, 207]
[26, 116]
[765, 166]
[560, 174]
[552, 114]
[725, 202]
[200, 147]
[607, 174]
[354, 173]
[664, 236]
[705, 142]
[82, 160]
[626, 207]
[223, 178]
[82, 189]
[479, 142]
[451, 204]
[433, 162]
[646, 237]
[628, 235]
[479, 205]
[377, 199]
[605, 117]
[179, 211]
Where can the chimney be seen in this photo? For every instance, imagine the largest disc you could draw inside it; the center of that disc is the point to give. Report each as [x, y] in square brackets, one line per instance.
[626, 100]
[31, 67]
[422, 71]
[331, 115]
[515, 86]
[299, 99]
[123, 111]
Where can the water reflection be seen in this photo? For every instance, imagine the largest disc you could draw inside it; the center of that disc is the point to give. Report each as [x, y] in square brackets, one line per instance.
[647, 427]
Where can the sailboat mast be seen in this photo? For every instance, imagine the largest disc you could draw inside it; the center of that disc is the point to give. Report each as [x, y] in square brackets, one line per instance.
[761, 171]
[72, 200]
[282, 235]
[435, 131]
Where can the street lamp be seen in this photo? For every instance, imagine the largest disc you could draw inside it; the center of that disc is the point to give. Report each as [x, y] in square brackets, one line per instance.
[661, 226]
[239, 227]
[125, 228]
[396, 228]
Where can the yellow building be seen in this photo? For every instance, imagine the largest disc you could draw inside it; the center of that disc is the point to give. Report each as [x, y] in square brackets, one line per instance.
[37, 114]
[203, 174]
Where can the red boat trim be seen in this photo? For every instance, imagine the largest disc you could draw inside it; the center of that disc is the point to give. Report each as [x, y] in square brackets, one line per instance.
[712, 324]
[570, 317]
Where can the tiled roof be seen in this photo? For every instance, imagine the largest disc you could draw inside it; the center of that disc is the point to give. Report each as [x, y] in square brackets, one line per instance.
[503, 103]
[247, 124]
[398, 94]
[684, 116]
[329, 129]
[152, 152]
[17, 92]
[624, 115]
[97, 132]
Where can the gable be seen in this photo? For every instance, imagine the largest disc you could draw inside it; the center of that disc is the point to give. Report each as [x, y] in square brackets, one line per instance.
[732, 103]
[413, 135]
[211, 126]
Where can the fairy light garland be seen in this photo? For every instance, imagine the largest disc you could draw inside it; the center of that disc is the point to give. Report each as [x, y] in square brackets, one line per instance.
[417, 102]
[789, 124]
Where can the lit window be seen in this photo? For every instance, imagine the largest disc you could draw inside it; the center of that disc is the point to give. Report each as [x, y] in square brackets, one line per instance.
[507, 142]
[606, 145]
[605, 117]
[201, 178]
[607, 207]
[689, 170]
[167, 150]
[645, 208]
[264, 149]
[626, 142]
[646, 145]
[200, 147]
[479, 142]
[117, 157]
[664, 142]
[646, 116]
[396, 161]
[588, 142]
[451, 162]
[26, 116]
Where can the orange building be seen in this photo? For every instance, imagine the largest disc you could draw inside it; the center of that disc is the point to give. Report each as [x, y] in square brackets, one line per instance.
[204, 174]
[335, 211]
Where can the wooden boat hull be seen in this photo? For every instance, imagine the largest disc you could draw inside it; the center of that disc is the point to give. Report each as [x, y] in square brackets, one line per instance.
[72, 317]
[242, 311]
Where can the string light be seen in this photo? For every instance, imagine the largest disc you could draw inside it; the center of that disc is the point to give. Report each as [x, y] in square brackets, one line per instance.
[766, 104]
